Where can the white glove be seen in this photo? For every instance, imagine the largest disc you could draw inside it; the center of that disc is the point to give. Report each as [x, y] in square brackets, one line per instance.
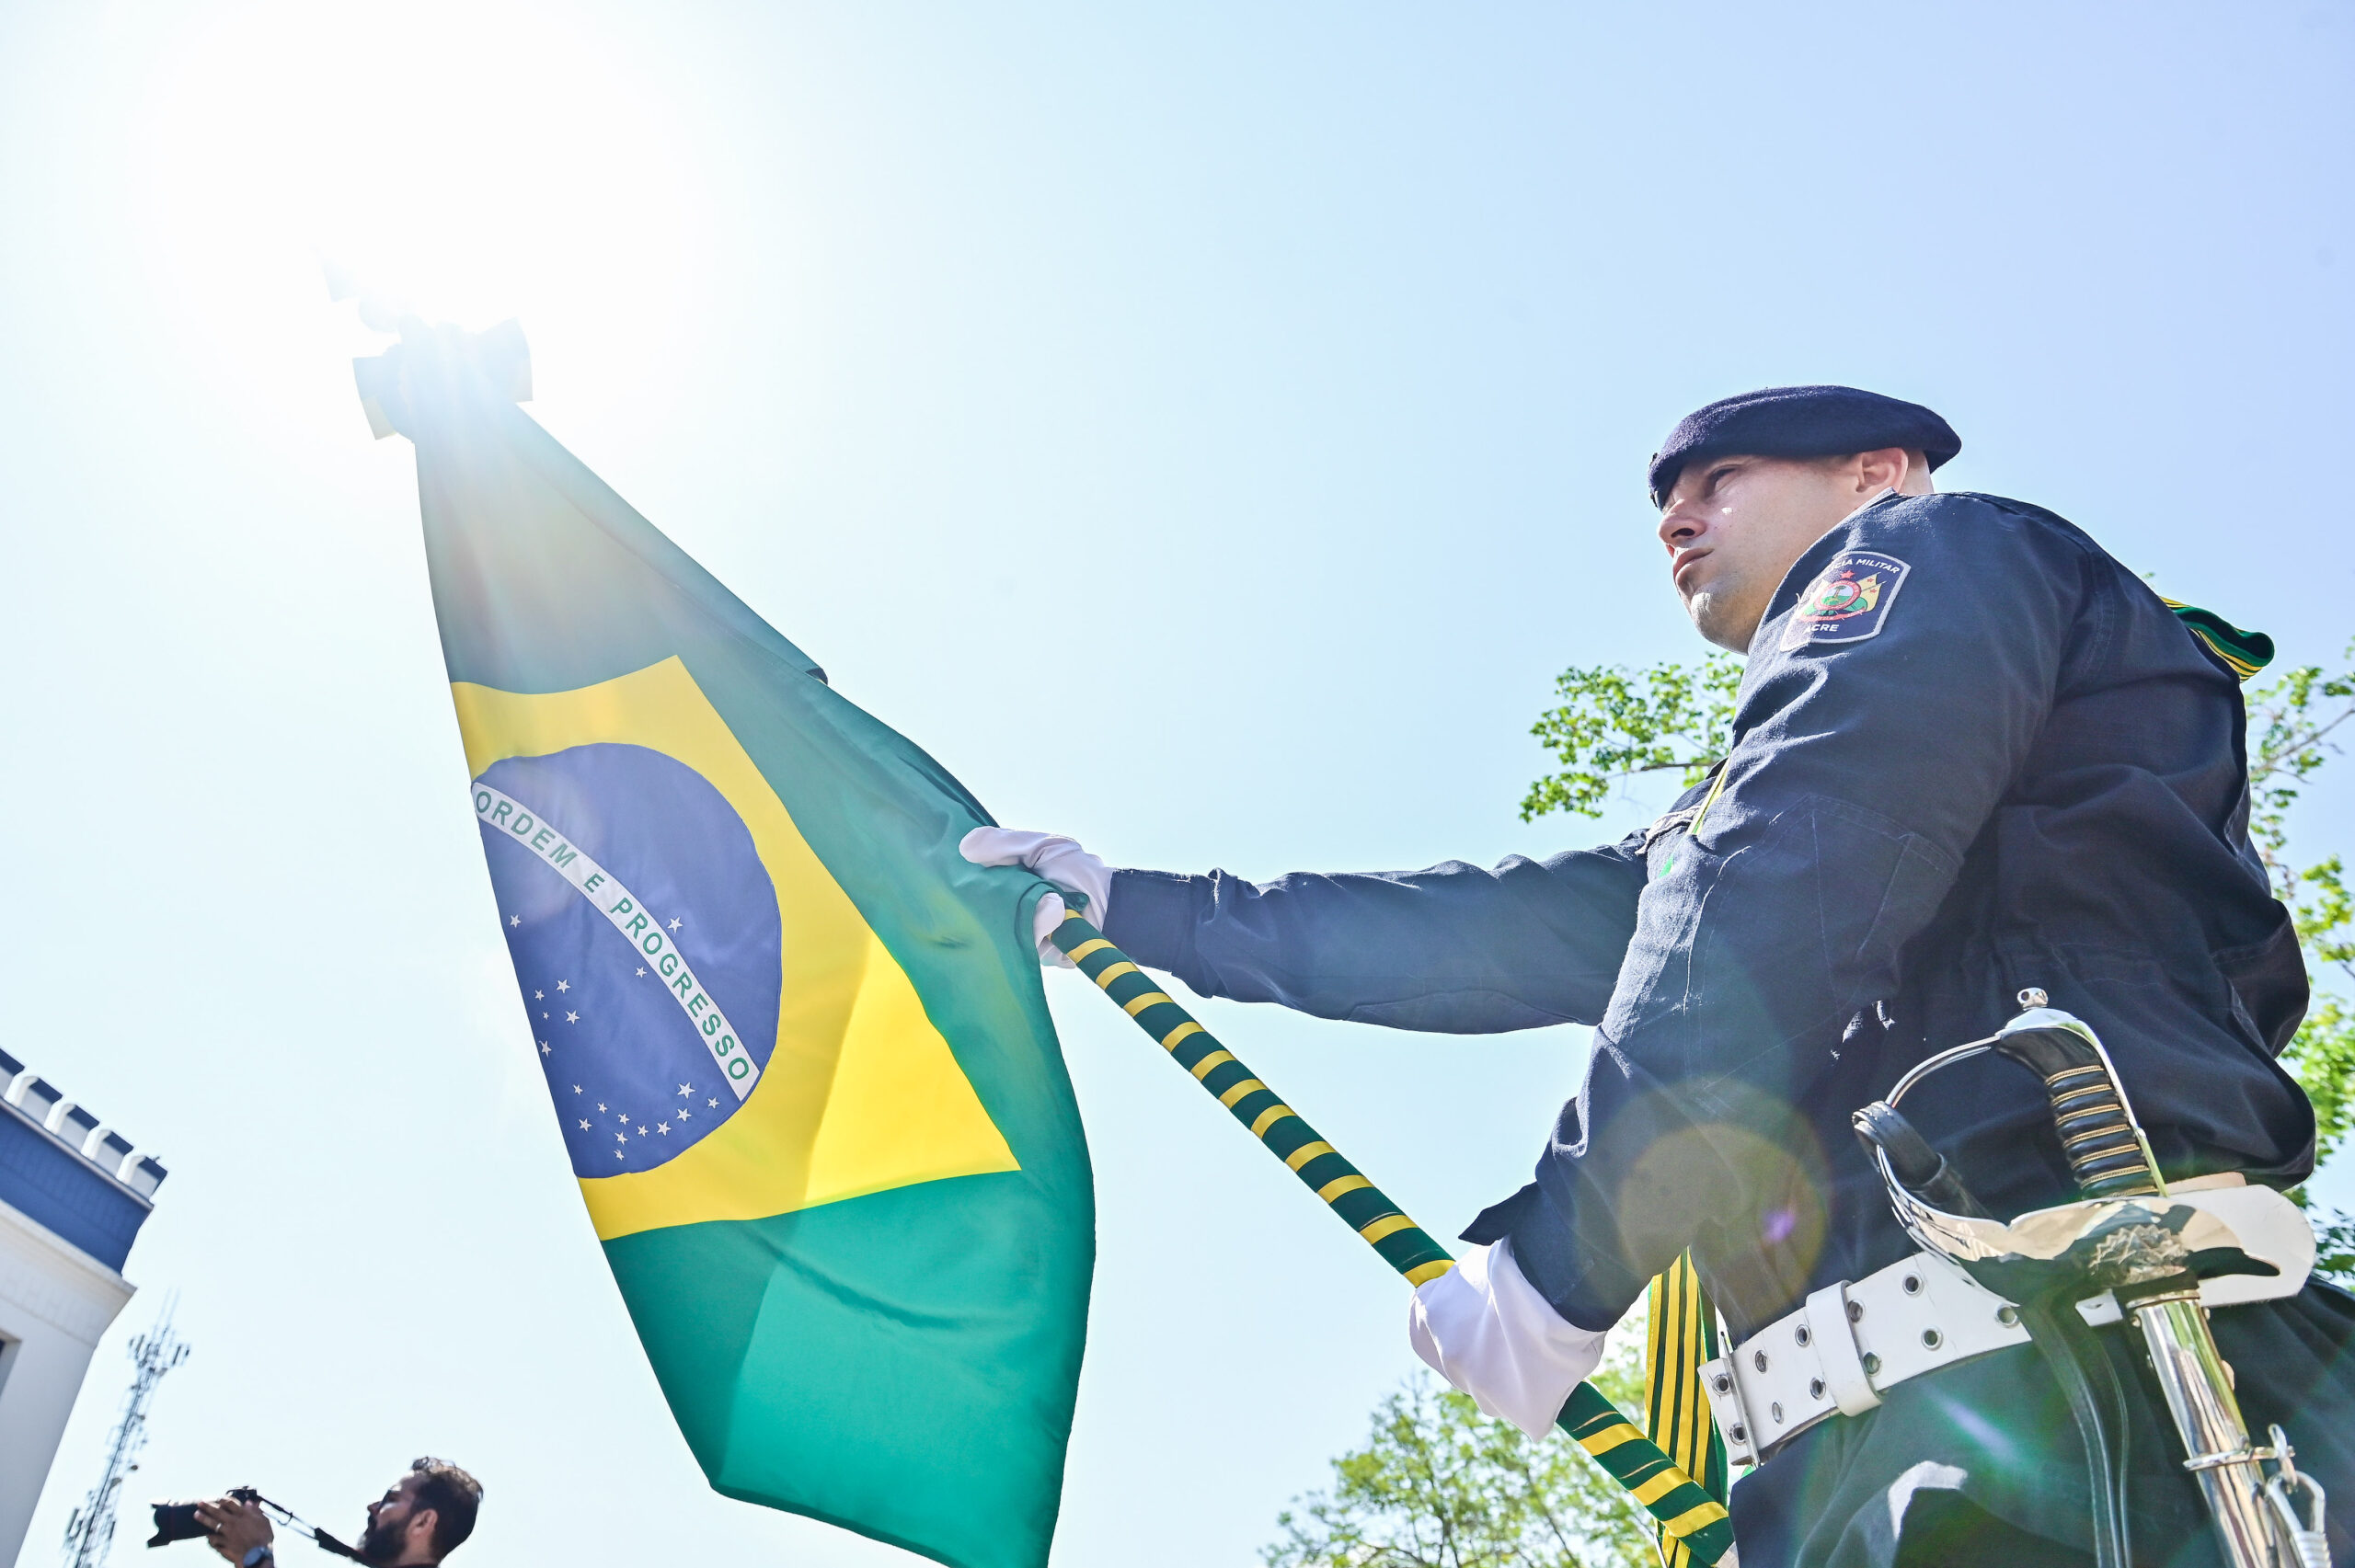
[1486, 1329]
[1058, 859]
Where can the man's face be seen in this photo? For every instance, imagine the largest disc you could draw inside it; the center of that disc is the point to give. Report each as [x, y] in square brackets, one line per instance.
[389, 1517]
[1734, 525]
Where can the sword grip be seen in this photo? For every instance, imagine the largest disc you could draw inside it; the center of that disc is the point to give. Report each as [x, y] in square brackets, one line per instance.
[2088, 1110]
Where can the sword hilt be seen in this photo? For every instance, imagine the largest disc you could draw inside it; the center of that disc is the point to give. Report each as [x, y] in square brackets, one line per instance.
[2110, 1157]
[2104, 1146]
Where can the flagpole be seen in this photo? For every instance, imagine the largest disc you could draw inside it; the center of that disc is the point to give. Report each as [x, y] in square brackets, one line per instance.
[1684, 1510]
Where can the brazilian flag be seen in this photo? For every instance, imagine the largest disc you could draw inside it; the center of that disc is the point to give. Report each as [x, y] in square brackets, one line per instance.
[796, 1045]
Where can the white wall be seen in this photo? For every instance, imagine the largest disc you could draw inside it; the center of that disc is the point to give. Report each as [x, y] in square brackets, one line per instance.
[55, 1300]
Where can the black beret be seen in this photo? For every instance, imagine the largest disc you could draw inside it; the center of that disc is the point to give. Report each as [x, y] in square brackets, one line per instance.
[1800, 421]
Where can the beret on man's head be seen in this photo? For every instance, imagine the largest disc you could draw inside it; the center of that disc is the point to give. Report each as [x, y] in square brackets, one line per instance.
[1800, 421]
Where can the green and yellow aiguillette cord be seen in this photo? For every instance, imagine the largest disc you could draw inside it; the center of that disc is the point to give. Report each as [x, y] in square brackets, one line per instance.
[1689, 1517]
[1684, 1335]
[1676, 1411]
[2244, 653]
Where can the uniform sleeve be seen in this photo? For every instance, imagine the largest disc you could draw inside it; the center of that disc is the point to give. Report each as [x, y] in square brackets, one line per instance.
[1454, 948]
[1905, 671]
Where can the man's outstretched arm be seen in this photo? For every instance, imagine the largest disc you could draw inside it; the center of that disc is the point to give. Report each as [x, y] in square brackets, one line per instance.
[1454, 948]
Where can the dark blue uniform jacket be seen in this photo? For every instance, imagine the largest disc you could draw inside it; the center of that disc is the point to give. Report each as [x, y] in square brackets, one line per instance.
[1987, 758]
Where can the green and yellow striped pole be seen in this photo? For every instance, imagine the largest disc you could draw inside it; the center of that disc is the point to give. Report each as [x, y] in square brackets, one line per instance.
[1688, 1516]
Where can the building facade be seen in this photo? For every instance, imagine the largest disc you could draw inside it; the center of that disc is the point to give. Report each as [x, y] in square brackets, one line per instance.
[73, 1195]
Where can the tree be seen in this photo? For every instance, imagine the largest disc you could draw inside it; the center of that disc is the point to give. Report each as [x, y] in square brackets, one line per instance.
[1615, 725]
[2290, 721]
[1439, 1485]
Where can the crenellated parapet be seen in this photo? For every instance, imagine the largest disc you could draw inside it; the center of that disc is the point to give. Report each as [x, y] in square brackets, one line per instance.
[74, 1192]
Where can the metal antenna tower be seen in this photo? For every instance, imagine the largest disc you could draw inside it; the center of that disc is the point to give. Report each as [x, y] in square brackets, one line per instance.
[90, 1532]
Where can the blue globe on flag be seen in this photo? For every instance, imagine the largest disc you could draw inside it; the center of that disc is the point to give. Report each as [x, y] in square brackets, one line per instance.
[627, 1009]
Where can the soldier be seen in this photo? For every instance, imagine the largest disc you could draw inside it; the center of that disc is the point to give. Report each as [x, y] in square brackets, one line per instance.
[1972, 754]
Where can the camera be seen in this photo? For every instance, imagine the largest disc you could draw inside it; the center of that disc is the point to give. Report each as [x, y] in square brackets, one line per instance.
[177, 1521]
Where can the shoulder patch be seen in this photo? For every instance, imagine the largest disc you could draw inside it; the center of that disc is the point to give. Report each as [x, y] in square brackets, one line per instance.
[1848, 601]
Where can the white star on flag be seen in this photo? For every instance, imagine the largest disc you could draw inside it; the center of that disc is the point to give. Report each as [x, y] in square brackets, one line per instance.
[662, 1128]
[674, 925]
[514, 920]
[543, 1047]
[573, 1018]
[564, 985]
[685, 1090]
[584, 1127]
[539, 996]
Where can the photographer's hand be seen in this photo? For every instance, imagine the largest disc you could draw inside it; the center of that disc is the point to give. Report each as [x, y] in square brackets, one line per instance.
[237, 1528]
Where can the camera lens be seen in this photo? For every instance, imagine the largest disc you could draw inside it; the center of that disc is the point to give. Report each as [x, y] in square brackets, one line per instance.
[175, 1521]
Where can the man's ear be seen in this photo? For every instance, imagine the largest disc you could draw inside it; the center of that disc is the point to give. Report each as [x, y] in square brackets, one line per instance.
[1889, 469]
[429, 1519]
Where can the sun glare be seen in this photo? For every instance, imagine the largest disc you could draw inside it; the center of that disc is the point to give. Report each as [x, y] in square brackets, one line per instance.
[471, 160]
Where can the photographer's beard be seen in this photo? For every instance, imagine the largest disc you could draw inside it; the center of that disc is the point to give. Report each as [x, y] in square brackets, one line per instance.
[382, 1541]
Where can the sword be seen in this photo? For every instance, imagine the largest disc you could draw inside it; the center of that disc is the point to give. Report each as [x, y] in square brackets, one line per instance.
[2125, 1236]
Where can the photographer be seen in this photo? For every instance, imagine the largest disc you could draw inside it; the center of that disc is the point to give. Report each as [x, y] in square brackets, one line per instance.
[421, 1519]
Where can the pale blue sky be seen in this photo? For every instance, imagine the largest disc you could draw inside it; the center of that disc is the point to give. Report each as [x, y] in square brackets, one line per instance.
[1298, 363]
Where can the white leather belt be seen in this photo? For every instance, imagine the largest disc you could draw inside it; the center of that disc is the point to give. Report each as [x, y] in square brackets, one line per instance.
[1837, 1354]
